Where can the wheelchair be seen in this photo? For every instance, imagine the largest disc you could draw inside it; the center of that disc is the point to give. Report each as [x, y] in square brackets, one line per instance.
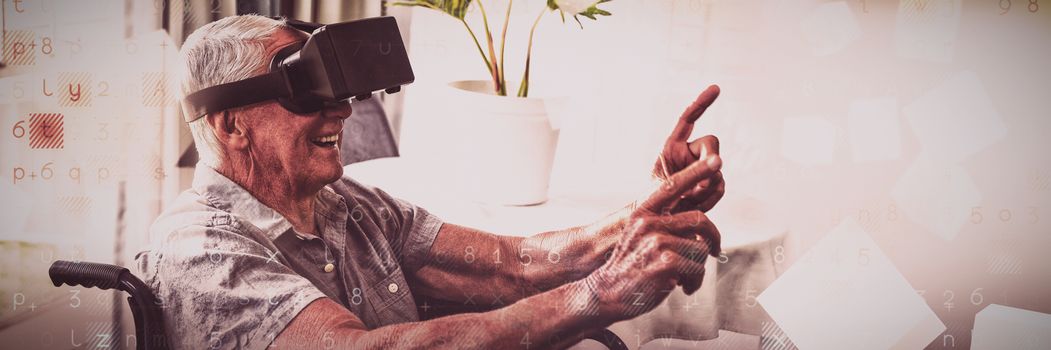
[149, 323]
[145, 309]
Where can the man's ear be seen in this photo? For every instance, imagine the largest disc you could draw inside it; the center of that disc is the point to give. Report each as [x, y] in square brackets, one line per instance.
[229, 130]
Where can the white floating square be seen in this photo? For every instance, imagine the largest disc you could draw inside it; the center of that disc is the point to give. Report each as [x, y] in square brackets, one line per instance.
[920, 335]
[1002, 327]
[829, 28]
[845, 282]
[937, 196]
[874, 130]
[955, 119]
[926, 29]
[808, 140]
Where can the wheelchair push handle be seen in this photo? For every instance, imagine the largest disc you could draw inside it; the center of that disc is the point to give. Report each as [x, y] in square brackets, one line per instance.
[87, 274]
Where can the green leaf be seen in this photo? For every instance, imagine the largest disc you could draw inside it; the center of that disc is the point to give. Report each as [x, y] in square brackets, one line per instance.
[594, 10]
[455, 8]
[590, 12]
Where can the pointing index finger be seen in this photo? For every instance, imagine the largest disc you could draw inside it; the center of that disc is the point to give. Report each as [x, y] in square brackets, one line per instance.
[685, 125]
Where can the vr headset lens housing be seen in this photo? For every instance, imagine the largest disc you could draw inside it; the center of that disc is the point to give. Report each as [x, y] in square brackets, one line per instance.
[338, 61]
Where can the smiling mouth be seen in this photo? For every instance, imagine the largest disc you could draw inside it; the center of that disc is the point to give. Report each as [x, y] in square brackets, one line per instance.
[326, 141]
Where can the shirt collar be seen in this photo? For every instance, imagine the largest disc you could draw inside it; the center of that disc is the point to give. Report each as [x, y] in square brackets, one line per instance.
[231, 197]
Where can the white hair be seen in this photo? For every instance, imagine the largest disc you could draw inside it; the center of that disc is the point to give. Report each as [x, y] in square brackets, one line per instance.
[227, 50]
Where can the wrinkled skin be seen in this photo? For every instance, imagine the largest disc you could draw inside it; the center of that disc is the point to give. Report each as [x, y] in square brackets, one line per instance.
[616, 269]
[659, 250]
[613, 270]
[268, 149]
[666, 239]
[678, 154]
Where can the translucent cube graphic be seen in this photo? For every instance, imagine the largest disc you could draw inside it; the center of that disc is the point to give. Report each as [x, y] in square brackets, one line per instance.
[938, 196]
[926, 30]
[1002, 327]
[829, 28]
[874, 130]
[808, 140]
[955, 119]
[921, 335]
[845, 294]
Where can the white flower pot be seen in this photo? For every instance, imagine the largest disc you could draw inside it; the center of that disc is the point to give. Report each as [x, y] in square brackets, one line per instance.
[507, 154]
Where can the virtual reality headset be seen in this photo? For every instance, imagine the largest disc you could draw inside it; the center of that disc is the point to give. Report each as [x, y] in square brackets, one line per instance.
[337, 62]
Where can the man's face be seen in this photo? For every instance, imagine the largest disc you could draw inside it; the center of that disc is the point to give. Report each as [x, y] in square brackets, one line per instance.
[300, 148]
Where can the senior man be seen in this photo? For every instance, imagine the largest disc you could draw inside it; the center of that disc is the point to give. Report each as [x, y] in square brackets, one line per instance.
[274, 246]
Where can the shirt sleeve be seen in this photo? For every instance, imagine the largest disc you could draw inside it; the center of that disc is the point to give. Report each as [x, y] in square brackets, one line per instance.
[408, 228]
[222, 290]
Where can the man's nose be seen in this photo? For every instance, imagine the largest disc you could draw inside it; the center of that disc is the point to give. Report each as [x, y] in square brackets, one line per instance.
[341, 110]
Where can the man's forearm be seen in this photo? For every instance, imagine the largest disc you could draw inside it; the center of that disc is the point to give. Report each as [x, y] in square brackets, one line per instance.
[568, 255]
[472, 265]
[557, 318]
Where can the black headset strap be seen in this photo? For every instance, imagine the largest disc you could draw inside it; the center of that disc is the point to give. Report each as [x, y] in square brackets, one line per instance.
[305, 26]
[253, 90]
[235, 94]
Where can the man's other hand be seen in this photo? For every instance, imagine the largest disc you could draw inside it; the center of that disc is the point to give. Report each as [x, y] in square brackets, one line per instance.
[658, 250]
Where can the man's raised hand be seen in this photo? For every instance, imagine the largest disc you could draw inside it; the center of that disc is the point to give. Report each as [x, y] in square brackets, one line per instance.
[679, 153]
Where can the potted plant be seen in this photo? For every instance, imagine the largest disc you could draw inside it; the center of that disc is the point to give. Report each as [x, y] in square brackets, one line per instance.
[509, 161]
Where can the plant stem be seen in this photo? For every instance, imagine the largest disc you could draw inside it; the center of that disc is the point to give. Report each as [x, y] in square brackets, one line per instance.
[479, 46]
[503, 41]
[523, 88]
[492, 53]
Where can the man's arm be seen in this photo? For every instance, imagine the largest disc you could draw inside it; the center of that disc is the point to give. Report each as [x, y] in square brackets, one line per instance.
[470, 264]
[466, 261]
[654, 253]
[540, 321]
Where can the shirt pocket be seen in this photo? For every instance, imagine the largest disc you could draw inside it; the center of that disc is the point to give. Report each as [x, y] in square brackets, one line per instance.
[391, 299]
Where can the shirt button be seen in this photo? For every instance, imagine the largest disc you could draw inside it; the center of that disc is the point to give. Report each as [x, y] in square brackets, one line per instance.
[329, 267]
[393, 288]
